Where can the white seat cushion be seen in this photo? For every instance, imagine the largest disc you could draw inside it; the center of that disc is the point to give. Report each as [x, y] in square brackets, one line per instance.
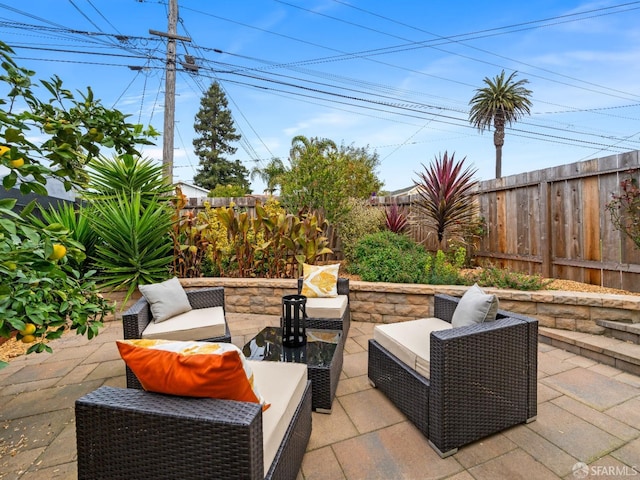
[282, 385]
[196, 324]
[410, 341]
[327, 307]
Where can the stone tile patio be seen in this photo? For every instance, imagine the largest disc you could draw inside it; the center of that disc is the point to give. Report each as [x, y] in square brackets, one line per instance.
[588, 412]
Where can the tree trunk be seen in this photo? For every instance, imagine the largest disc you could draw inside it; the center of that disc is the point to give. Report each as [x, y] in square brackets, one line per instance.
[498, 160]
[498, 141]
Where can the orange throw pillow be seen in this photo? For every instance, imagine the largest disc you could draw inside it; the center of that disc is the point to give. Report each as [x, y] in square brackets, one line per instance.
[191, 369]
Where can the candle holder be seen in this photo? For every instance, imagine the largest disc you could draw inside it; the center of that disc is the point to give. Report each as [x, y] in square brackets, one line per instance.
[293, 320]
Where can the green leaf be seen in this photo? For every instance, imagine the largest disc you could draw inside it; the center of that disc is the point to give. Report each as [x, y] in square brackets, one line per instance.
[7, 203]
[28, 208]
[37, 188]
[9, 181]
[8, 225]
[25, 188]
[13, 135]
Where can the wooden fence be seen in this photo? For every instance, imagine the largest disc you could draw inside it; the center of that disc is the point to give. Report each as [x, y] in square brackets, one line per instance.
[555, 222]
[552, 222]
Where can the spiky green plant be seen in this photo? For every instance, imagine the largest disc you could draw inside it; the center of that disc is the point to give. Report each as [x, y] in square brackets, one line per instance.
[136, 247]
[446, 197]
[125, 173]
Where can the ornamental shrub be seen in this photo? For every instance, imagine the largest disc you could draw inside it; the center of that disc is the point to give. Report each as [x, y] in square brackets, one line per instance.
[443, 269]
[389, 257]
[362, 219]
[500, 278]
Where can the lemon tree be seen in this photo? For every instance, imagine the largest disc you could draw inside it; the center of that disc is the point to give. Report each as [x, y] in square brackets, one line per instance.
[41, 293]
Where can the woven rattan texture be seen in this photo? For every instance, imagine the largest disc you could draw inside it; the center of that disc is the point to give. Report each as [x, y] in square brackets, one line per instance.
[132, 434]
[482, 379]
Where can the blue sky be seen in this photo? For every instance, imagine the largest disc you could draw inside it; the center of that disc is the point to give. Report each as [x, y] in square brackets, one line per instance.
[394, 76]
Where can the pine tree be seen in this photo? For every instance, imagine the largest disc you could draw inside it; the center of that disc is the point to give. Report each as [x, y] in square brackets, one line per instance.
[214, 125]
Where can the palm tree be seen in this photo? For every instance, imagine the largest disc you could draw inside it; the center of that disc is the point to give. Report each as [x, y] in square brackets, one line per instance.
[302, 146]
[500, 102]
[271, 174]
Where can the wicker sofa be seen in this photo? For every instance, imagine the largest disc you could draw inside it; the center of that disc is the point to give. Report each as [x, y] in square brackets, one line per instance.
[483, 378]
[133, 434]
[335, 321]
[136, 319]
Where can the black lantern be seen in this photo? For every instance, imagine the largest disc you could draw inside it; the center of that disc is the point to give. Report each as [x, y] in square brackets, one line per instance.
[293, 320]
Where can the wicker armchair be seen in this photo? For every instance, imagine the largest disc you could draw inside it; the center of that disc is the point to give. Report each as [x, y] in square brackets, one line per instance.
[136, 319]
[132, 434]
[341, 323]
[483, 379]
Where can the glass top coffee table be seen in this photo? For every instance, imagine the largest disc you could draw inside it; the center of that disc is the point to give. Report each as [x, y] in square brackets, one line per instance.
[322, 353]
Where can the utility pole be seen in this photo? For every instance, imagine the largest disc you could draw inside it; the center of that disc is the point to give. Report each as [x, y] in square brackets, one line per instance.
[170, 89]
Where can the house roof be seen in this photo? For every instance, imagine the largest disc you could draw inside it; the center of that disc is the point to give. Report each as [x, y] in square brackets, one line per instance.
[403, 191]
[203, 190]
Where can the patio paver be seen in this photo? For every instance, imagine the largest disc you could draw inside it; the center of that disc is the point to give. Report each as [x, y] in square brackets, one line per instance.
[587, 412]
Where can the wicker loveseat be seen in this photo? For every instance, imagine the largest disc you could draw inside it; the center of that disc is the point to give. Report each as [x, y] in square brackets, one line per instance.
[324, 313]
[482, 378]
[132, 434]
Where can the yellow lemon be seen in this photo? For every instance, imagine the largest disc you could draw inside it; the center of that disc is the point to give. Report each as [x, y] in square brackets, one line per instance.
[59, 251]
[29, 329]
[3, 149]
[28, 339]
[17, 163]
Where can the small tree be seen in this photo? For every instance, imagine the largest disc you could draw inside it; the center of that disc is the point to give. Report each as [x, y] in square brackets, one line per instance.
[446, 202]
[216, 131]
[227, 191]
[41, 291]
[322, 177]
[362, 219]
[624, 209]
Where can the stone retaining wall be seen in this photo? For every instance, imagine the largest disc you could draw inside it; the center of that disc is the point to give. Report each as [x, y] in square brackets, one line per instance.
[397, 302]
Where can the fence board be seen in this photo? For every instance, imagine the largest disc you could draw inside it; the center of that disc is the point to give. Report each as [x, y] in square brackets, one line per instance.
[501, 221]
[523, 222]
[591, 226]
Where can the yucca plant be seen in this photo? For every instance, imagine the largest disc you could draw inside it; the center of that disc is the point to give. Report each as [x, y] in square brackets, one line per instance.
[446, 198]
[125, 173]
[135, 247]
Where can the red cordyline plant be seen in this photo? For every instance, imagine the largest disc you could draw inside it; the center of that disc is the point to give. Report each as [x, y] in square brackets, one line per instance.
[625, 209]
[396, 218]
[446, 197]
